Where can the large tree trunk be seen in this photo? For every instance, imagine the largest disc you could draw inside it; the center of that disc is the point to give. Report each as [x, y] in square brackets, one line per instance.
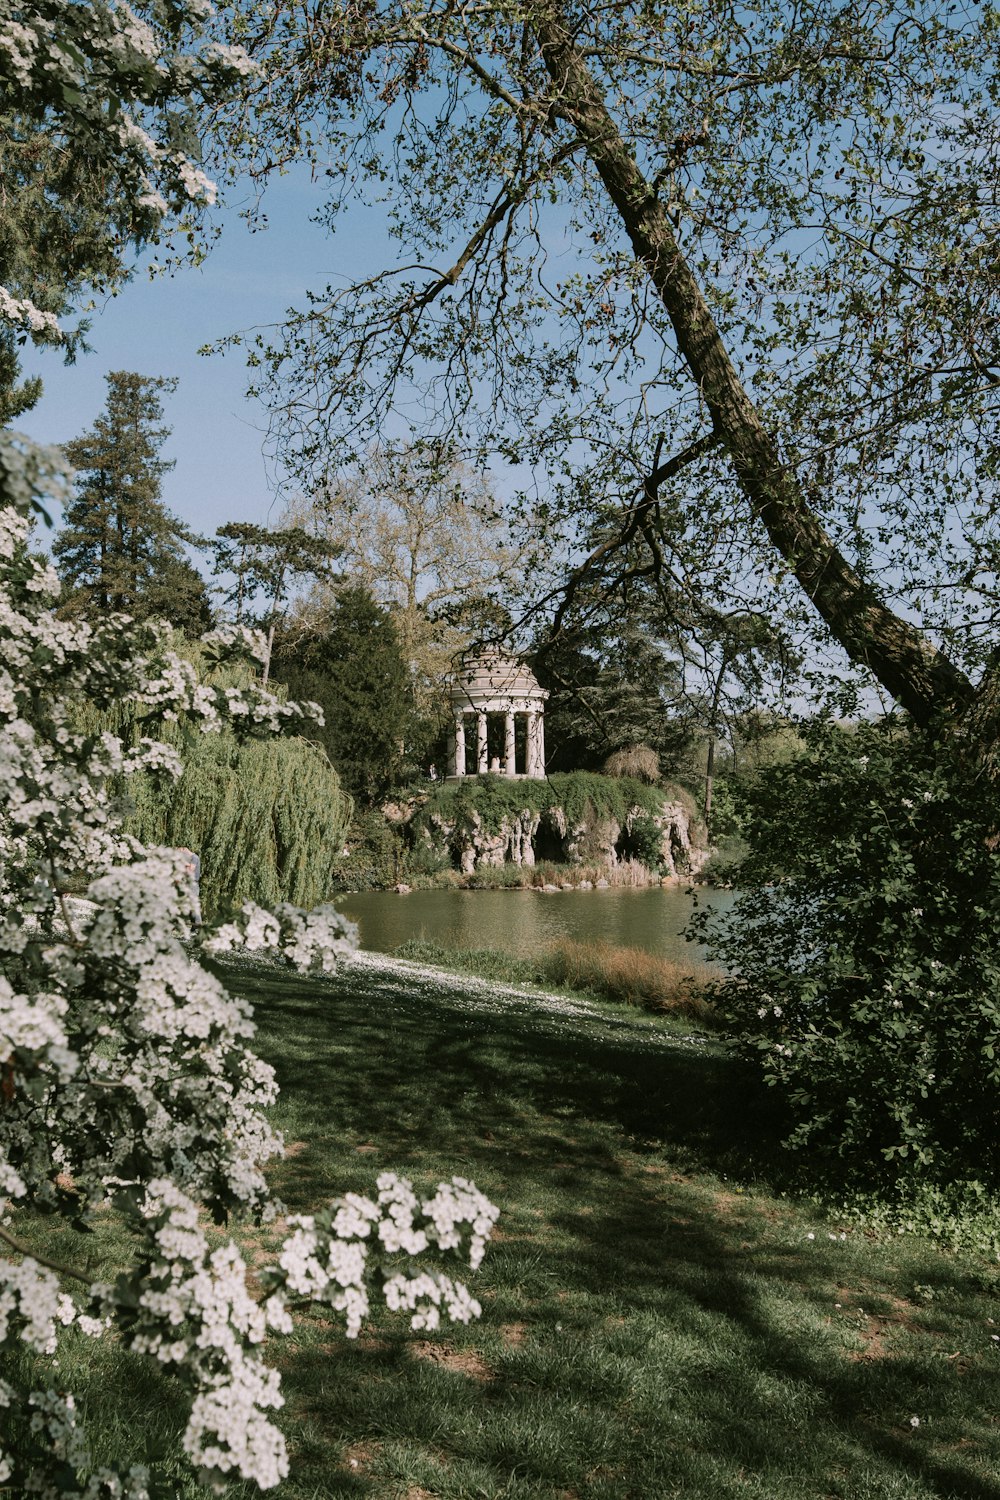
[914, 671]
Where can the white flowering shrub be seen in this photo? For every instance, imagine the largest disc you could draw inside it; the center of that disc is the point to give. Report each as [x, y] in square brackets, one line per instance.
[127, 1077]
[126, 1071]
[120, 87]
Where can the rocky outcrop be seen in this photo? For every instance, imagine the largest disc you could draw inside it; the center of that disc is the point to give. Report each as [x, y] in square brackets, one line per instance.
[681, 856]
[584, 843]
[471, 846]
[526, 836]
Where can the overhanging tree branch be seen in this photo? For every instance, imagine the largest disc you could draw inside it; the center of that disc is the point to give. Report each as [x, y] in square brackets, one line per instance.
[504, 205]
[914, 671]
[634, 518]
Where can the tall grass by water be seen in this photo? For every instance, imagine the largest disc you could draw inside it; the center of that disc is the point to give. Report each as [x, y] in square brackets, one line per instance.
[626, 976]
[631, 976]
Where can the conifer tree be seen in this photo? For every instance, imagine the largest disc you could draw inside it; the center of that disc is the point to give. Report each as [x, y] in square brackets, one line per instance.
[353, 667]
[120, 548]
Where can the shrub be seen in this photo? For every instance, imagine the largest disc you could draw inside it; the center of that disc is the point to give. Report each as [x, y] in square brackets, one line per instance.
[724, 864]
[865, 957]
[375, 857]
[639, 762]
[424, 861]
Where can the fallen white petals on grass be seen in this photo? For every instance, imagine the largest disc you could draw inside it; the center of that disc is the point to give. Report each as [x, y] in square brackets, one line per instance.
[404, 977]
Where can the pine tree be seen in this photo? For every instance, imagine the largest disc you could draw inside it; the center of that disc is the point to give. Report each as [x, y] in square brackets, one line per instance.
[265, 562]
[120, 549]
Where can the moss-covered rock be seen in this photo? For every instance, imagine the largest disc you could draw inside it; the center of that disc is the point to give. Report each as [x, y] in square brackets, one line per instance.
[575, 818]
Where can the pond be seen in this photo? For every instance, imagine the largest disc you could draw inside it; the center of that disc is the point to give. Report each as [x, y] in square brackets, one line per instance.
[524, 922]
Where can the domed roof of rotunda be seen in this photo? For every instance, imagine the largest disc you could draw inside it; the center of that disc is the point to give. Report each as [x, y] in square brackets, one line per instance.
[493, 681]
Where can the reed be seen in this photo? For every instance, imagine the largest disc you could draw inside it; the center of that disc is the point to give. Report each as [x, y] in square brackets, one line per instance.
[631, 976]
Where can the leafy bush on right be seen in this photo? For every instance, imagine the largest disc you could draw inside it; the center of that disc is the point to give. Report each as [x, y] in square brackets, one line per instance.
[864, 951]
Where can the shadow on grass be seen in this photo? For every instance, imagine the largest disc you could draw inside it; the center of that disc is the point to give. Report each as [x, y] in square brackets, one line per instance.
[648, 1332]
[763, 1367]
[398, 1068]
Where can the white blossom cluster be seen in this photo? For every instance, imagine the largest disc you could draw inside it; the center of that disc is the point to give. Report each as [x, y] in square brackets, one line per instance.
[21, 310]
[32, 1310]
[337, 1256]
[310, 940]
[195, 1316]
[31, 1305]
[126, 1071]
[59, 65]
[424, 1294]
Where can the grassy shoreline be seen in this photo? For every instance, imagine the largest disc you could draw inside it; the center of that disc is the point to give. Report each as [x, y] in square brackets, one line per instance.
[604, 971]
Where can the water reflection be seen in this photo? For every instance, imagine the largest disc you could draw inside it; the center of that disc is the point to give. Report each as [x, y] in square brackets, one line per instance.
[525, 922]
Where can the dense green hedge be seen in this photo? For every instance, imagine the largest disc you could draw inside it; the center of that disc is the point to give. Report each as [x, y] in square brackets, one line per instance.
[865, 954]
[584, 796]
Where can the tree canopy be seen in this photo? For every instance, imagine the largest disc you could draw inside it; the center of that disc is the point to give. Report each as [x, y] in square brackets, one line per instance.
[428, 539]
[723, 280]
[264, 562]
[267, 818]
[612, 686]
[105, 108]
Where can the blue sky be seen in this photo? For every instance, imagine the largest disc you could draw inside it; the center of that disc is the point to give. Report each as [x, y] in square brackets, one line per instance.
[156, 328]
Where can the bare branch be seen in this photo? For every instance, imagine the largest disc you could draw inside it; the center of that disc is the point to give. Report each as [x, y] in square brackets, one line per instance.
[42, 1260]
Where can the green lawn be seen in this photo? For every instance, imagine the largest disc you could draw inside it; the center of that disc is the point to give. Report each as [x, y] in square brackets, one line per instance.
[655, 1322]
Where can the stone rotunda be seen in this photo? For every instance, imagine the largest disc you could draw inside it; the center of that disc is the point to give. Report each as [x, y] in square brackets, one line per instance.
[507, 709]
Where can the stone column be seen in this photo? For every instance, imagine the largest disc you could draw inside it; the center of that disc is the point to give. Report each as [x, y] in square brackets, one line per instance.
[540, 745]
[458, 749]
[509, 765]
[481, 752]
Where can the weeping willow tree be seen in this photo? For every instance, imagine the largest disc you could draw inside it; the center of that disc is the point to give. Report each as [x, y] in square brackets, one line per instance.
[267, 817]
